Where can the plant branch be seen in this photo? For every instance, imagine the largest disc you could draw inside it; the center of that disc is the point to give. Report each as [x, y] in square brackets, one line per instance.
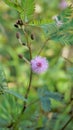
[30, 79]
[68, 60]
[42, 47]
[67, 123]
[28, 89]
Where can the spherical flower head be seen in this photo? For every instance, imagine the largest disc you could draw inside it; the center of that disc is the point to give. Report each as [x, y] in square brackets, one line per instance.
[63, 4]
[39, 64]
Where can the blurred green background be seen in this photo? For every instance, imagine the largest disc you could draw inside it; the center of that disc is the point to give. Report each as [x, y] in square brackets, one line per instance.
[58, 78]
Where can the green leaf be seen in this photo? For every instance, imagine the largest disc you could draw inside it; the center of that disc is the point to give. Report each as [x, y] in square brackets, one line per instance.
[23, 3]
[24, 7]
[66, 14]
[14, 5]
[45, 103]
[28, 8]
[15, 94]
[55, 96]
[3, 123]
[3, 83]
[44, 92]
[45, 97]
[61, 34]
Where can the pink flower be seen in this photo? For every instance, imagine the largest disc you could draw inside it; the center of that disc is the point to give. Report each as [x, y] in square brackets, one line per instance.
[39, 64]
[63, 4]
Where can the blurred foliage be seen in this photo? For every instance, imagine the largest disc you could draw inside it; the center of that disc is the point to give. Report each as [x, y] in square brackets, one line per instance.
[55, 109]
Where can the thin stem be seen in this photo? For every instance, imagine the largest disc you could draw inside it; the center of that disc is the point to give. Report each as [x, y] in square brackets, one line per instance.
[20, 41]
[30, 80]
[42, 47]
[68, 60]
[26, 60]
[67, 123]
[28, 90]
[33, 102]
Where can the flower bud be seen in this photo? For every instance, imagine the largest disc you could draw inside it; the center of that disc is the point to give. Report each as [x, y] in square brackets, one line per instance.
[20, 22]
[23, 44]
[15, 25]
[20, 56]
[17, 35]
[32, 36]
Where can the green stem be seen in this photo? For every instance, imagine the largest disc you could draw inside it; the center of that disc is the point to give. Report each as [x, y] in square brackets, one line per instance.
[68, 60]
[42, 47]
[30, 80]
[67, 123]
[28, 90]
